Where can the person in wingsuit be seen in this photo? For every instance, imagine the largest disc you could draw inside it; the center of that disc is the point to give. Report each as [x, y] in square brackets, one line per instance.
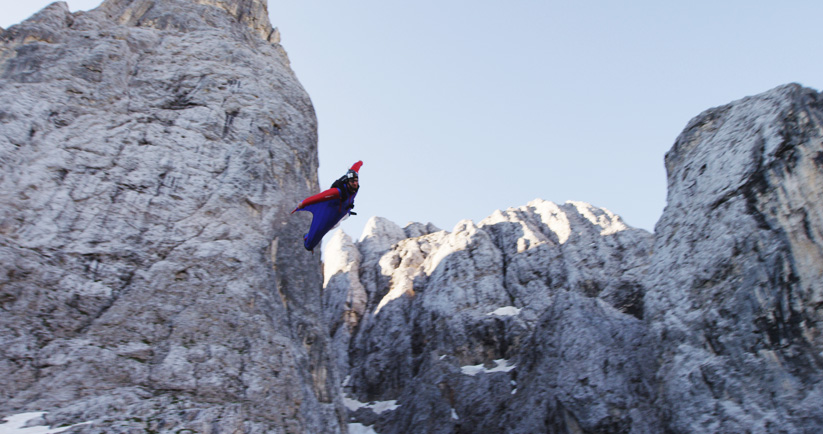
[330, 206]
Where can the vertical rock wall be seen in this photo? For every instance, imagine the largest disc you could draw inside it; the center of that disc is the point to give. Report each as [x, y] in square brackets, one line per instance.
[151, 277]
[736, 286]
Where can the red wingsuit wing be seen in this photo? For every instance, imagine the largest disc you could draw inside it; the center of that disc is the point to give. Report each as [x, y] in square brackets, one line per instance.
[356, 166]
[332, 193]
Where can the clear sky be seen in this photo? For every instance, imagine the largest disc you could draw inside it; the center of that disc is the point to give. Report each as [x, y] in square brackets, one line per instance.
[462, 107]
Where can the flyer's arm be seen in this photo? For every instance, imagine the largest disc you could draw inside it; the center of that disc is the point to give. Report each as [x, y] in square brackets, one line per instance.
[332, 193]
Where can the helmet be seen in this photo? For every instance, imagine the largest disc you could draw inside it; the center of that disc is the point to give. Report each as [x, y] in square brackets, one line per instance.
[351, 174]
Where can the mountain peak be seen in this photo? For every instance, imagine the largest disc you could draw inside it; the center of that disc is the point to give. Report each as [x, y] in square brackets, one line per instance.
[187, 15]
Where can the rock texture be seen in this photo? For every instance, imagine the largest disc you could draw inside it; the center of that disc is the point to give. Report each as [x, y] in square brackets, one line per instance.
[151, 279]
[736, 287]
[562, 319]
[492, 327]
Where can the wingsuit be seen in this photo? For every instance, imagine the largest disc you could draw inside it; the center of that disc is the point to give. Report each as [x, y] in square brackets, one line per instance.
[330, 206]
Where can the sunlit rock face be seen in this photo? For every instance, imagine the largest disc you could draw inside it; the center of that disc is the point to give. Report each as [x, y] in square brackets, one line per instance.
[151, 279]
[562, 318]
[467, 329]
[736, 285]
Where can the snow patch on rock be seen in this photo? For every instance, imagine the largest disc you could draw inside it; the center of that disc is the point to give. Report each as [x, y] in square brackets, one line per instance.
[501, 365]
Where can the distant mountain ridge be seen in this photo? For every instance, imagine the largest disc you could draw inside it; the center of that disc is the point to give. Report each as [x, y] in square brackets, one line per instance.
[416, 312]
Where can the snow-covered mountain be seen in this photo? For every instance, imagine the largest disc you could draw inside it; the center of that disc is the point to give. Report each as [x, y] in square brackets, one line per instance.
[561, 318]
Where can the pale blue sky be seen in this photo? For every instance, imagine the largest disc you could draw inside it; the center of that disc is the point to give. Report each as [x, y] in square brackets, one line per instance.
[458, 108]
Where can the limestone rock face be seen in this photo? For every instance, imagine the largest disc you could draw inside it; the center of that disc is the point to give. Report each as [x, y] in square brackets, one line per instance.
[563, 319]
[494, 322]
[736, 285]
[151, 278]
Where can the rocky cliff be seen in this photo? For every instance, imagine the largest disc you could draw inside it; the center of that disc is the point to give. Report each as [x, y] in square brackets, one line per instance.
[532, 316]
[150, 278]
[563, 319]
[736, 283]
